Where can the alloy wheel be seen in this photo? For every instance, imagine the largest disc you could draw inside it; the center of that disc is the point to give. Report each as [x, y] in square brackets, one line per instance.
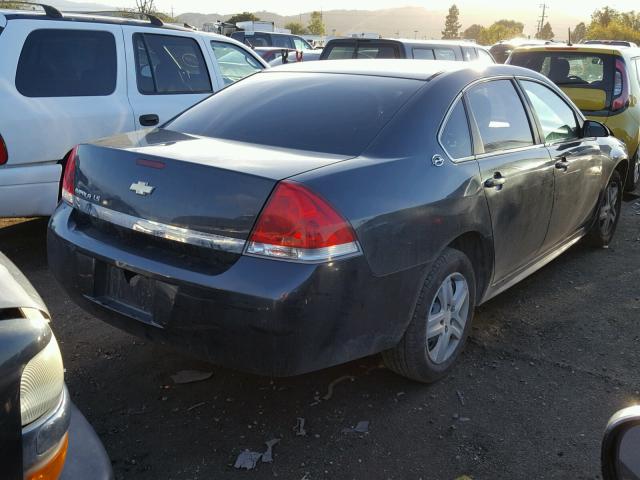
[447, 318]
[609, 208]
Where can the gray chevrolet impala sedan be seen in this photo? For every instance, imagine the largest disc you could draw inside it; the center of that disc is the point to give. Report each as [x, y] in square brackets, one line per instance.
[279, 236]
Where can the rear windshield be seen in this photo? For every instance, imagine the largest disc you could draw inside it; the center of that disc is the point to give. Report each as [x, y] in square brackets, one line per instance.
[329, 113]
[570, 69]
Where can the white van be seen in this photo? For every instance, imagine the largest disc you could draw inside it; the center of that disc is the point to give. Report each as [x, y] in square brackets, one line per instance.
[68, 78]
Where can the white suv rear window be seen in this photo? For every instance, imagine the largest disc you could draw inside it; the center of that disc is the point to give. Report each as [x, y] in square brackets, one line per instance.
[67, 63]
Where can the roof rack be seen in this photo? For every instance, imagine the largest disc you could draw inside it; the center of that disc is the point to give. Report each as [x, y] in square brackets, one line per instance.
[48, 9]
[124, 14]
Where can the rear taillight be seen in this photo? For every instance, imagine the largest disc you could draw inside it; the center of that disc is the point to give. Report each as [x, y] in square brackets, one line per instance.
[297, 224]
[69, 178]
[4, 154]
[620, 87]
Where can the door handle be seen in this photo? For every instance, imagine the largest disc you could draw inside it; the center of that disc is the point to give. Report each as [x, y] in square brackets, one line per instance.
[562, 163]
[149, 120]
[497, 181]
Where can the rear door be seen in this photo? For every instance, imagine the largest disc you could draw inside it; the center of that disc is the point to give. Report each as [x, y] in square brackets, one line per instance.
[516, 171]
[577, 162]
[167, 74]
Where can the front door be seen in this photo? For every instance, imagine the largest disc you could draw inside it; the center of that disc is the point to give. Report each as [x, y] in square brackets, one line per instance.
[577, 163]
[167, 74]
[517, 175]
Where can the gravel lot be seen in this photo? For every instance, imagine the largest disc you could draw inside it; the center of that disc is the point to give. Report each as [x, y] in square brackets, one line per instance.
[548, 362]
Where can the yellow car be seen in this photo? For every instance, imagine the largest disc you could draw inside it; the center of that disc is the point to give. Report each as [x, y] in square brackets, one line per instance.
[602, 80]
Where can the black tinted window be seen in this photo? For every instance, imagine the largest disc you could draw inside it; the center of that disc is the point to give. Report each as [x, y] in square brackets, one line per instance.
[455, 137]
[347, 111]
[170, 64]
[67, 63]
[500, 116]
[376, 51]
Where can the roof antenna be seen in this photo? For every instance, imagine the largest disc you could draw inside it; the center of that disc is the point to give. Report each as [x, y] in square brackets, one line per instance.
[569, 42]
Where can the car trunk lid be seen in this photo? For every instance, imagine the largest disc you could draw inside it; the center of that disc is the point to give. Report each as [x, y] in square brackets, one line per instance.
[186, 191]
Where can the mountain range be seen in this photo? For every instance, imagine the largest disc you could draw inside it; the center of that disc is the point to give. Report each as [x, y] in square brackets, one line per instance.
[407, 22]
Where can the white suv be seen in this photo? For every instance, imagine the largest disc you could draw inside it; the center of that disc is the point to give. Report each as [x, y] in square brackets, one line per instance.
[68, 78]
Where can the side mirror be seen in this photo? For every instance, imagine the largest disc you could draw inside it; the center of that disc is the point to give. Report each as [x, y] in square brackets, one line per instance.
[591, 128]
[621, 446]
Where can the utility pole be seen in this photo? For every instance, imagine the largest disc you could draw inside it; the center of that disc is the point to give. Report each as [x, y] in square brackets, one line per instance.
[542, 17]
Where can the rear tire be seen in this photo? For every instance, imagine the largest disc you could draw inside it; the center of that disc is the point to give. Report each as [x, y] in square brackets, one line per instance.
[607, 214]
[633, 176]
[441, 321]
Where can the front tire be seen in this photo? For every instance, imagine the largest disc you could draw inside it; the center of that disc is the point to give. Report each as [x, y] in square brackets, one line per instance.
[608, 213]
[441, 321]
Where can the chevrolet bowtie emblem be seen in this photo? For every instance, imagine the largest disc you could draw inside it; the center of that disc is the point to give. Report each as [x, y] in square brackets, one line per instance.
[142, 188]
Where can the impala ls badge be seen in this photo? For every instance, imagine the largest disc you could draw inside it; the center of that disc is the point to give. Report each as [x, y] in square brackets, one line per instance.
[142, 188]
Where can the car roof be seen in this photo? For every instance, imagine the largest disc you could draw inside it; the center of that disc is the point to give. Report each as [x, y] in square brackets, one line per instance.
[590, 48]
[400, 68]
[89, 17]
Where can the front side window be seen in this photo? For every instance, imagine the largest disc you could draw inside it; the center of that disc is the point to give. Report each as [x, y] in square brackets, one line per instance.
[300, 44]
[455, 137]
[469, 54]
[556, 118]
[67, 63]
[167, 64]
[500, 116]
[234, 62]
[484, 57]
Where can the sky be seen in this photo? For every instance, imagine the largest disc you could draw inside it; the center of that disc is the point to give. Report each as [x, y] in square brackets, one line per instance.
[288, 7]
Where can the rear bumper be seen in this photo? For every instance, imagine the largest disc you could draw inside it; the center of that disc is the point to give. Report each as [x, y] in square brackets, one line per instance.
[262, 316]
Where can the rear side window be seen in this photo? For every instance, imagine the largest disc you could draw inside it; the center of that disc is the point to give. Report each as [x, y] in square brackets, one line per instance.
[167, 64]
[444, 54]
[455, 137]
[423, 54]
[341, 52]
[234, 62]
[500, 116]
[556, 118]
[67, 63]
[376, 51]
[348, 111]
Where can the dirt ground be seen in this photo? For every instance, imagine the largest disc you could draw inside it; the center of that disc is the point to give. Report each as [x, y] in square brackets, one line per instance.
[547, 364]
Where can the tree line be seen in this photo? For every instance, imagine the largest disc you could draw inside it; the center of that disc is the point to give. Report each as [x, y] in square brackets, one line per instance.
[606, 24]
